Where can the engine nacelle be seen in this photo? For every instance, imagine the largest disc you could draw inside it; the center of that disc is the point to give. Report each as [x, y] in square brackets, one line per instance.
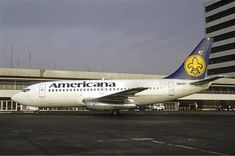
[107, 106]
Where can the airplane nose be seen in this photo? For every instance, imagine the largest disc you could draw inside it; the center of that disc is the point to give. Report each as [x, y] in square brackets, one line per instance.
[17, 98]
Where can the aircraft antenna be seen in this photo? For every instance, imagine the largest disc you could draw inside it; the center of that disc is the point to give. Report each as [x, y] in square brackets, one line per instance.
[12, 49]
[29, 65]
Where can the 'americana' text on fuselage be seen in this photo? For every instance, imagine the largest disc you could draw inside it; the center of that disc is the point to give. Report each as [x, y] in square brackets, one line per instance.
[83, 84]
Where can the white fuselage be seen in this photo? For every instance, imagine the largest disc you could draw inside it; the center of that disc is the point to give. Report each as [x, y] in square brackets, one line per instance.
[73, 93]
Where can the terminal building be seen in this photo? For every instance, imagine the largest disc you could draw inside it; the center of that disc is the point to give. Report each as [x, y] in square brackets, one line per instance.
[220, 25]
[12, 80]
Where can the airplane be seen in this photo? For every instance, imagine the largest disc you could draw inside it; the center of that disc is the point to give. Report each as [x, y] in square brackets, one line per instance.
[116, 95]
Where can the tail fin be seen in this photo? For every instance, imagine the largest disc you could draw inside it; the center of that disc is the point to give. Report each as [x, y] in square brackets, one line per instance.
[195, 65]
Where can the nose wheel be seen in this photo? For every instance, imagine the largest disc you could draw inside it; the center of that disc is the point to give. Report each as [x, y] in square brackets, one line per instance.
[37, 112]
[115, 112]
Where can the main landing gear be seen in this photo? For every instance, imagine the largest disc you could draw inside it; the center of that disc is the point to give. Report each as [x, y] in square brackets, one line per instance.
[37, 112]
[115, 112]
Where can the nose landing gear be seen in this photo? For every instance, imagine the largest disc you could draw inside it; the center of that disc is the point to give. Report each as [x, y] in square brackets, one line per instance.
[115, 112]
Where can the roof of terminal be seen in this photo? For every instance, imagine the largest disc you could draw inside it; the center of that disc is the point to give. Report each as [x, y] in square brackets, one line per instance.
[42, 74]
[61, 74]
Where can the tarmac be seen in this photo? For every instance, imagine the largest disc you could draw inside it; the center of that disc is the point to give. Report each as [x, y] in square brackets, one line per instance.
[130, 133]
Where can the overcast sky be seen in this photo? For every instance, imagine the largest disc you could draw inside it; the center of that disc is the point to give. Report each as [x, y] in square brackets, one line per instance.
[134, 36]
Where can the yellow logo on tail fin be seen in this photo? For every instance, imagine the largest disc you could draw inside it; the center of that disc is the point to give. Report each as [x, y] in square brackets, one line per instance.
[195, 65]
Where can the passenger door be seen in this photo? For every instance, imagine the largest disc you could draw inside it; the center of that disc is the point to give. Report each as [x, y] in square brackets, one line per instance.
[42, 90]
[171, 88]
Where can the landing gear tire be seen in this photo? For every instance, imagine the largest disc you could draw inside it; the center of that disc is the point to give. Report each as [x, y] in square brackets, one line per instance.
[115, 112]
[37, 112]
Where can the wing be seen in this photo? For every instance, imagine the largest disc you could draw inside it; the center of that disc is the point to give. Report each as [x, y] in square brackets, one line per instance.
[118, 98]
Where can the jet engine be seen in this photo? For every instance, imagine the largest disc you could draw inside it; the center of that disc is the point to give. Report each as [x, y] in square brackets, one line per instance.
[98, 106]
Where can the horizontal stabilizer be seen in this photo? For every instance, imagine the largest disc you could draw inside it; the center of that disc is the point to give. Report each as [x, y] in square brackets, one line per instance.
[207, 80]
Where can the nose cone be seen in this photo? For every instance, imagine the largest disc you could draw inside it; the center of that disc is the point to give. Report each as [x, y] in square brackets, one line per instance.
[19, 98]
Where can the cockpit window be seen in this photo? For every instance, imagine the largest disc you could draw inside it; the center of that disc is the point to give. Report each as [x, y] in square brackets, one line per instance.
[26, 90]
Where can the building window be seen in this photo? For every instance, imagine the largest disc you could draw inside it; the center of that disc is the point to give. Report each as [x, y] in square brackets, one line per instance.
[221, 70]
[223, 47]
[222, 59]
[217, 5]
[220, 26]
[224, 36]
[220, 15]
